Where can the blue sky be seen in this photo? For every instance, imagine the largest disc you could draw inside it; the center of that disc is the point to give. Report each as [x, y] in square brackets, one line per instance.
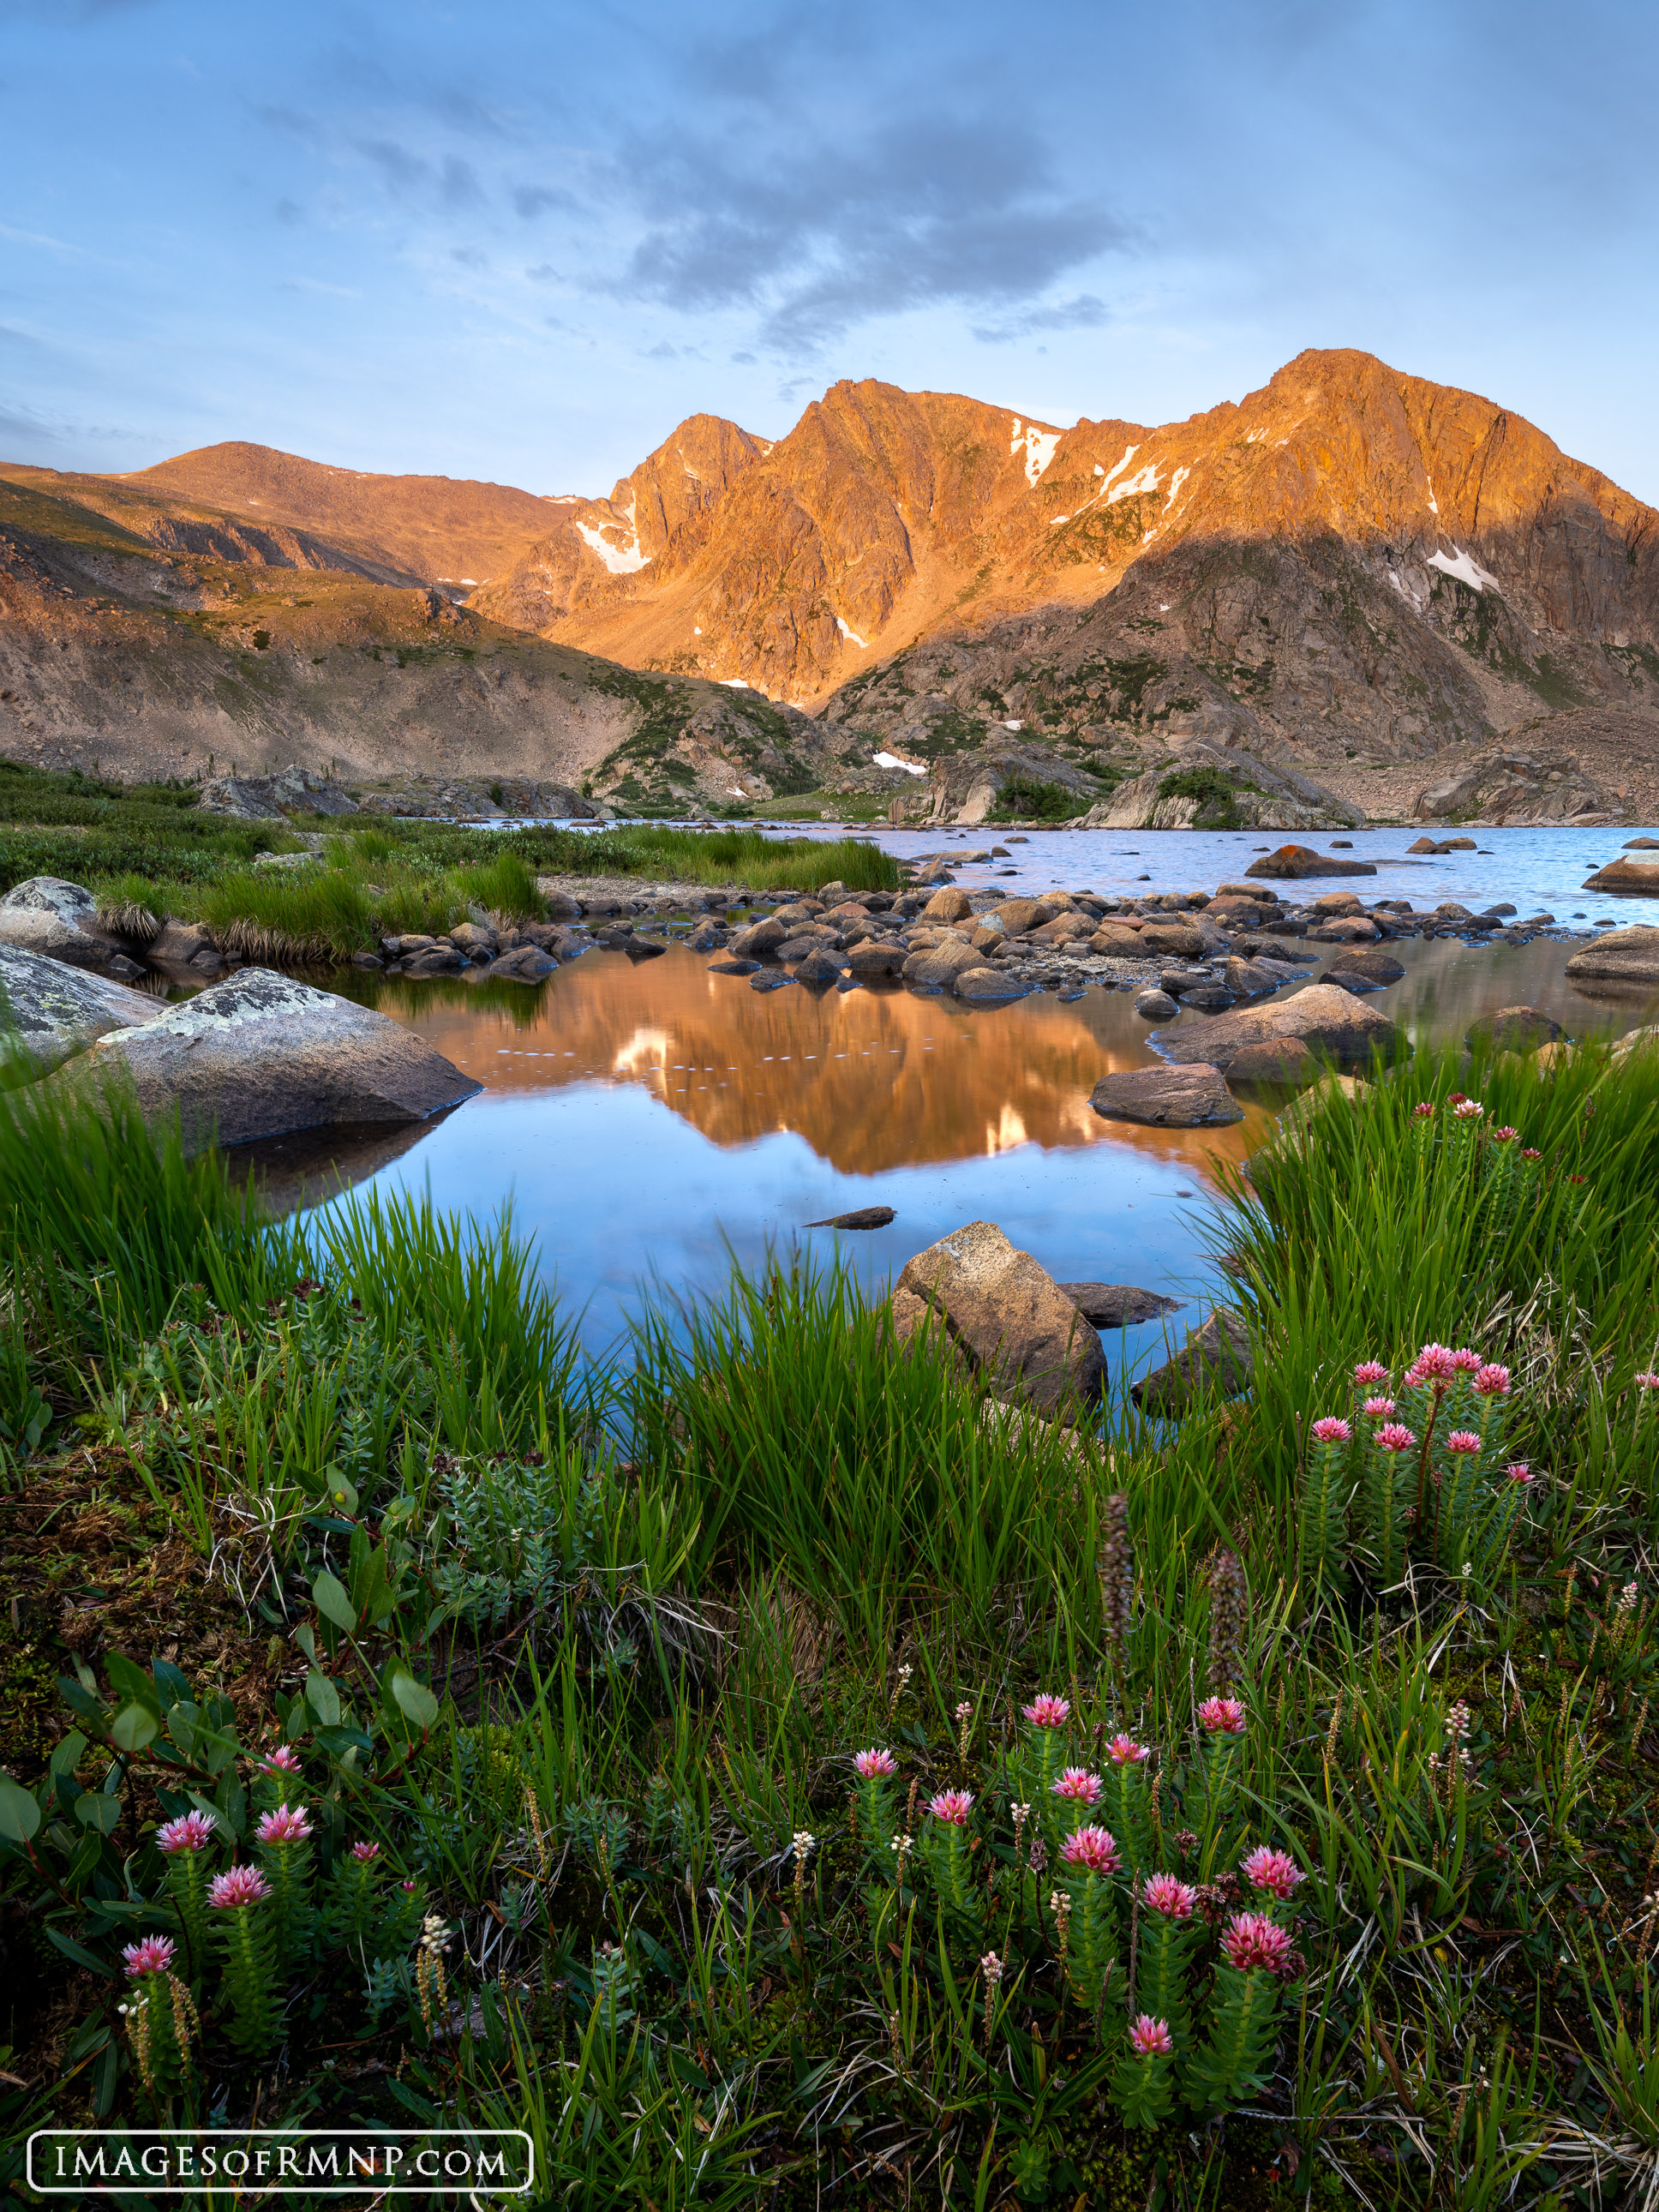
[521, 242]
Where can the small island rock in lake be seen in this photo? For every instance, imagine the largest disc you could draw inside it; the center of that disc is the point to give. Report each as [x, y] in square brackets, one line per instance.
[1006, 1316]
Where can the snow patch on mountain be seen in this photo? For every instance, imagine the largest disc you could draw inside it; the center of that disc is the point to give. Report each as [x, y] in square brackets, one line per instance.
[1039, 446]
[1465, 567]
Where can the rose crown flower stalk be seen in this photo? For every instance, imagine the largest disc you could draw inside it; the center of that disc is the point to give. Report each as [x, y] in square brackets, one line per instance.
[1045, 1718]
[159, 2016]
[1125, 1800]
[1256, 1956]
[354, 1898]
[1326, 1483]
[1088, 1857]
[1221, 1721]
[1143, 2087]
[1169, 1932]
[872, 1790]
[283, 1839]
[945, 1848]
[236, 1898]
[183, 1845]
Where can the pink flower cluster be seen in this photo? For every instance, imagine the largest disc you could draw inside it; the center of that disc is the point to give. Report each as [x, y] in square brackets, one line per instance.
[363, 1853]
[952, 1807]
[1464, 1441]
[1222, 1716]
[1276, 1872]
[874, 1765]
[1331, 1431]
[1492, 1380]
[1647, 1382]
[1047, 1712]
[1166, 1894]
[286, 1825]
[1395, 1437]
[152, 1956]
[1252, 1941]
[1369, 1371]
[238, 1886]
[1378, 1409]
[1124, 1750]
[1093, 1848]
[284, 1760]
[1150, 2038]
[190, 1831]
[1080, 1786]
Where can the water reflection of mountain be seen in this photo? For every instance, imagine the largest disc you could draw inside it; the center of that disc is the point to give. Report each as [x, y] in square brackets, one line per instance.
[873, 1080]
[877, 1080]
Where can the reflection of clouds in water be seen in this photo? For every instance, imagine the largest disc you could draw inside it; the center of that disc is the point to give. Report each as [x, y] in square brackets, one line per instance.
[647, 1048]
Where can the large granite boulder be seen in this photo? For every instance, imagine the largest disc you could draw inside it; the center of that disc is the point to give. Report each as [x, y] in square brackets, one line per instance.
[1188, 1097]
[51, 1010]
[1627, 879]
[1330, 1022]
[1214, 1358]
[58, 920]
[1623, 955]
[1006, 1316]
[273, 797]
[1291, 862]
[259, 1054]
[987, 986]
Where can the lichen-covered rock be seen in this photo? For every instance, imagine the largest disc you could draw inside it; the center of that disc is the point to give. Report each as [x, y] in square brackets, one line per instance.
[293, 790]
[259, 1054]
[51, 1010]
[58, 920]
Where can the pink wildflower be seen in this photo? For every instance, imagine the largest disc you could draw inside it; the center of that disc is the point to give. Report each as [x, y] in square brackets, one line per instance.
[1222, 1716]
[1423, 1110]
[190, 1831]
[1124, 1750]
[953, 1806]
[1505, 1135]
[1530, 1152]
[152, 1955]
[1647, 1382]
[1463, 1441]
[1168, 1894]
[363, 1853]
[1378, 1409]
[1093, 1848]
[1277, 1872]
[1458, 1097]
[1252, 1940]
[1518, 1471]
[1150, 2038]
[1493, 1381]
[284, 1760]
[874, 1765]
[1465, 1362]
[238, 1885]
[286, 1825]
[1331, 1431]
[1047, 1711]
[1395, 1437]
[1468, 1109]
[1434, 1364]
[1368, 1371]
[1078, 1784]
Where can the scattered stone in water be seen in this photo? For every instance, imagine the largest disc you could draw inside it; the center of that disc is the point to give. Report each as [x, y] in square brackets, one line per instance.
[1118, 1305]
[733, 967]
[1274, 1060]
[769, 979]
[1514, 1028]
[861, 1216]
[1189, 1098]
[1214, 1358]
[1156, 1007]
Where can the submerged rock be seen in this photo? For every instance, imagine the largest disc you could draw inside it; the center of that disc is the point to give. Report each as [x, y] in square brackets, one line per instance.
[51, 1010]
[1215, 1356]
[861, 1216]
[1118, 1305]
[1514, 1028]
[1008, 1318]
[259, 1054]
[1193, 1097]
[1275, 1060]
[1329, 1021]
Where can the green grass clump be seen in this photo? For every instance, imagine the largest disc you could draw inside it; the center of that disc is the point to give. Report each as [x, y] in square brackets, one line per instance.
[585, 1647]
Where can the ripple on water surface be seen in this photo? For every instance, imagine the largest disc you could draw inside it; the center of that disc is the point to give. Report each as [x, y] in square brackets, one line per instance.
[654, 1120]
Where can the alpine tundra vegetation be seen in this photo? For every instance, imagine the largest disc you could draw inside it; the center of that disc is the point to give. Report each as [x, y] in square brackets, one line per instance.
[767, 1778]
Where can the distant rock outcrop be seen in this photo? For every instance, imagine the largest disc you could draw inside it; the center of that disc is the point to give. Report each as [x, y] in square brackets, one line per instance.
[274, 798]
[1508, 785]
